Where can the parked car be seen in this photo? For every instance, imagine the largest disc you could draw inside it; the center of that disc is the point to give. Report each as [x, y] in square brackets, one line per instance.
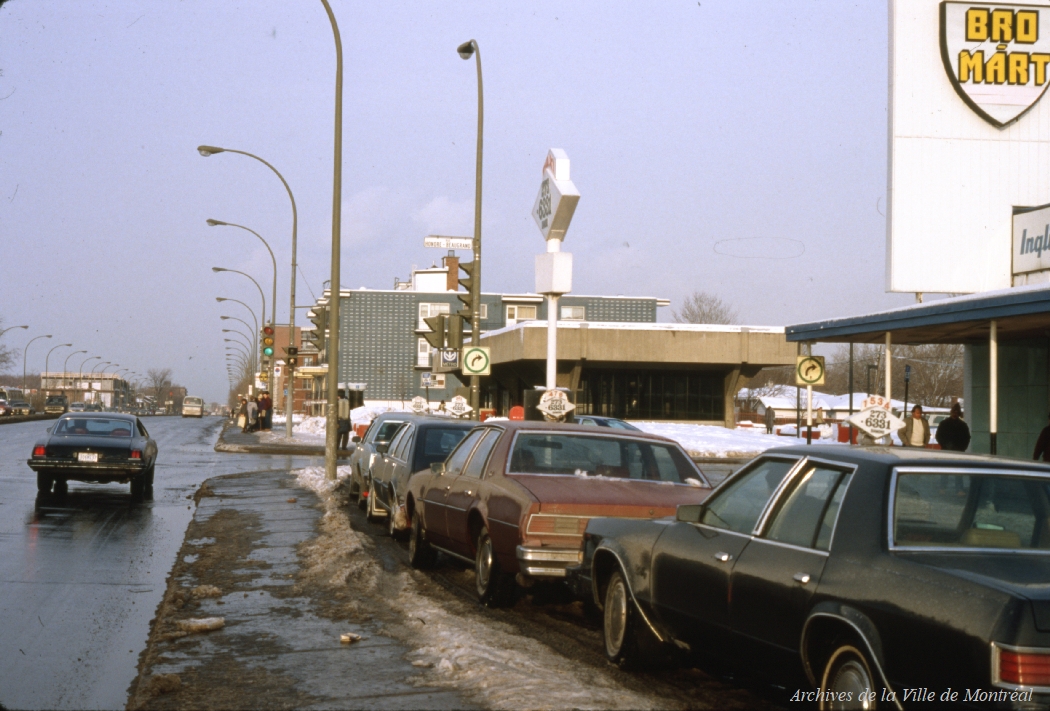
[5, 408]
[192, 407]
[56, 405]
[605, 422]
[417, 445]
[514, 497]
[850, 568]
[102, 448]
[77, 407]
[381, 430]
[21, 407]
[93, 407]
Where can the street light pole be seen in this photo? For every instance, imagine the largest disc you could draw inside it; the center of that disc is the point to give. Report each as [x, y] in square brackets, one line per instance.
[246, 325]
[208, 150]
[81, 378]
[65, 364]
[47, 360]
[331, 435]
[220, 299]
[465, 50]
[11, 329]
[25, 352]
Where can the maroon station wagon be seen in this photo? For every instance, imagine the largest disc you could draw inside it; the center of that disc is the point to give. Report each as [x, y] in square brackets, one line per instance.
[513, 499]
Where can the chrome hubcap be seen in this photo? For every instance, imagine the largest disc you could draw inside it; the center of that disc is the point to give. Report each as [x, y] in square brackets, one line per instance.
[853, 678]
[615, 618]
[483, 568]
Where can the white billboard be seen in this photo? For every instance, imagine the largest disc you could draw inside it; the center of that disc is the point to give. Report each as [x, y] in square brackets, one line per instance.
[1031, 246]
[969, 139]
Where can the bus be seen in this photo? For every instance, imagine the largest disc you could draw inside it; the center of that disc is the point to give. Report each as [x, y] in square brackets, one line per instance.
[192, 407]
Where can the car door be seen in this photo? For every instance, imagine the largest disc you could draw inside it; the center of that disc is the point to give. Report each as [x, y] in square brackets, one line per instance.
[692, 563]
[437, 488]
[385, 468]
[464, 491]
[776, 576]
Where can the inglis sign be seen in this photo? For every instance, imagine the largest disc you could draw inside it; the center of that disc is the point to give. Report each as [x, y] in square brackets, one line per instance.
[997, 56]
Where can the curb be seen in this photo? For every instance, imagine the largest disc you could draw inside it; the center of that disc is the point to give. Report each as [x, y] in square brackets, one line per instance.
[221, 445]
[15, 419]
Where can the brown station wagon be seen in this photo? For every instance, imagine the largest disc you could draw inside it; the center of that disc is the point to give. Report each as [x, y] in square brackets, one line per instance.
[514, 497]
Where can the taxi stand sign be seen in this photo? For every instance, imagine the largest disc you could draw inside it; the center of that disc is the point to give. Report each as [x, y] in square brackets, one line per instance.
[420, 405]
[875, 418]
[556, 202]
[555, 405]
[459, 407]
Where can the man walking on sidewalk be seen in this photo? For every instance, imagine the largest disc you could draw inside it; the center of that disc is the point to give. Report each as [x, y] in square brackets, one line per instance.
[343, 419]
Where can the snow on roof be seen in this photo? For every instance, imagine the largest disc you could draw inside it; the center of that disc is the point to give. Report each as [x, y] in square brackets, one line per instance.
[639, 326]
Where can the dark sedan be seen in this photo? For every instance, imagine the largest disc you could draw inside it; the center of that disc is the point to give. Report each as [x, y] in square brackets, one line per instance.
[102, 448]
[853, 568]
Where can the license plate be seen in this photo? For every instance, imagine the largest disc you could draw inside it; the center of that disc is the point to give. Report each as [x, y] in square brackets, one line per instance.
[87, 456]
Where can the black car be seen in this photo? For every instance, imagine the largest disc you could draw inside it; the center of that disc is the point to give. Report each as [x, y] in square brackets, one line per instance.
[850, 568]
[419, 443]
[95, 447]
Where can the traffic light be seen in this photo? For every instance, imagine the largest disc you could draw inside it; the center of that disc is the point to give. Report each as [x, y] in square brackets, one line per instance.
[292, 356]
[455, 332]
[438, 325]
[267, 341]
[467, 297]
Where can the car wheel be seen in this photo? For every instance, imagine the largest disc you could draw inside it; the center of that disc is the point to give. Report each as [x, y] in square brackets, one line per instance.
[372, 511]
[44, 483]
[138, 487]
[495, 588]
[847, 672]
[627, 637]
[420, 555]
[355, 488]
[394, 533]
[362, 500]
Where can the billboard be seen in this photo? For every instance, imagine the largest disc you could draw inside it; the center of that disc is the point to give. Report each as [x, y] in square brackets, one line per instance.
[1031, 246]
[969, 129]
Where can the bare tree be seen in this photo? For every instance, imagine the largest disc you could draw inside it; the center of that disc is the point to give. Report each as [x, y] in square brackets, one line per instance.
[158, 380]
[7, 355]
[936, 371]
[701, 307]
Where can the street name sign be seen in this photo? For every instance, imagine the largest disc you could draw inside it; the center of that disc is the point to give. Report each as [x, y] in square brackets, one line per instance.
[555, 405]
[476, 360]
[809, 370]
[441, 242]
[459, 406]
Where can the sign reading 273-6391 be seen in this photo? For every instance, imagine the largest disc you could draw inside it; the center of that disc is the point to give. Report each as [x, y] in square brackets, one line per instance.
[475, 361]
[997, 56]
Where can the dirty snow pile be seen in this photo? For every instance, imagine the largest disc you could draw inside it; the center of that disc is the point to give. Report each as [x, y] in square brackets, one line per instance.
[310, 426]
[358, 416]
[280, 420]
[713, 441]
[455, 644]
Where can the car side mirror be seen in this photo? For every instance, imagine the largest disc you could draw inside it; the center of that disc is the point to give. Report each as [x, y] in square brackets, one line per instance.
[438, 468]
[382, 448]
[355, 439]
[689, 513]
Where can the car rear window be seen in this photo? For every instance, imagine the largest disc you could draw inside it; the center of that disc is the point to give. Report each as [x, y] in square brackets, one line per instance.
[435, 444]
[957, 510]
[386, 431]
[588, 455]
[94, 426]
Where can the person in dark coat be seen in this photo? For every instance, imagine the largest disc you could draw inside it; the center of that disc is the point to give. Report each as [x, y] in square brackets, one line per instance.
[771, 419]
[953, 434]
[1042, 446]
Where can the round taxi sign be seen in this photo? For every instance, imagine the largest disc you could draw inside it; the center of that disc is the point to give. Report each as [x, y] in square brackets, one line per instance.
[475, 360]
[809, 370]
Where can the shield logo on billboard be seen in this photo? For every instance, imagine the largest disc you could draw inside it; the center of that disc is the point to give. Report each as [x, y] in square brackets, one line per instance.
[997, 56]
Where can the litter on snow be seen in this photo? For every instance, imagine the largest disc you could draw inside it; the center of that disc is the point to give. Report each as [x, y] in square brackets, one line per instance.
[201, 624]
[350, 638]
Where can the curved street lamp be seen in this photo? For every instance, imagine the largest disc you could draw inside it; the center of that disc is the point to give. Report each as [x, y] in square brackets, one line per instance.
[47, 360]
[81, 380]
[25, 352]
[211, 150]
[255, 320]
[237, 271]
[11, 329]
[65, 365]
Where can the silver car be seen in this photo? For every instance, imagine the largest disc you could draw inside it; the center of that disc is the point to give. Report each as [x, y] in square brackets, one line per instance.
[381, 431]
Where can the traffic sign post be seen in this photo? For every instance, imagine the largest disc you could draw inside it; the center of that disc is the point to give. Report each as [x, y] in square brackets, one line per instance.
[809, 371]
[476, 361]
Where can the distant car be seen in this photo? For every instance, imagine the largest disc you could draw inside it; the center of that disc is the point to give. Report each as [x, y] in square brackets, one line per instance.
[515, 497]
[192, 407]
[417, 445]
[605, 422]
[56, 405]
[21, 407]
[93, 407]
[102, 448]
[850, 568]
[77, 407]
[381, 430]
[5, 408]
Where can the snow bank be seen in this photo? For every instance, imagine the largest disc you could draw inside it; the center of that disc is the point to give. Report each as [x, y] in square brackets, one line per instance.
[312, 478]
[713, 441]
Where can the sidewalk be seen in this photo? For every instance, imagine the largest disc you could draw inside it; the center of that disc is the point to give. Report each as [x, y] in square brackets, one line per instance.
[231, 439]
[279, 646]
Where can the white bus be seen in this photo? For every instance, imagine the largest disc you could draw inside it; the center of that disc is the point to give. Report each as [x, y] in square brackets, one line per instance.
[192, 407]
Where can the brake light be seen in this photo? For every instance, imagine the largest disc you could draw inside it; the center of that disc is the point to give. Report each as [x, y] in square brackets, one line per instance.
[1024, 668]
[136, 454]
[39, 451]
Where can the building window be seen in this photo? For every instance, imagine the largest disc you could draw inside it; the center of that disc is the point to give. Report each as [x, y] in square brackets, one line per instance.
[520, 313]
[484, 311]
[428, 310]
[573, 313]
[423, 353]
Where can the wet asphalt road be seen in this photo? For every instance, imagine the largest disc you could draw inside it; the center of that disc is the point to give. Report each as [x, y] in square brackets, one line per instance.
[81, 577]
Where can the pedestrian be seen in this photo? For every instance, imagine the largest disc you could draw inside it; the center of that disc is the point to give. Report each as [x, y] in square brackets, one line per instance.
[819, 419]
[916, 432]
[343, 420]
[242, 414]
[441, 407]
[253, 415]
[771, 419]
[1042, 445]
[265, 411]
[953, 434]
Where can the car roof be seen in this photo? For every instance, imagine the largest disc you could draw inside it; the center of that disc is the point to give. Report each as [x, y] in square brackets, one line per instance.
[908, 456]
[98, 415]
[536, 425]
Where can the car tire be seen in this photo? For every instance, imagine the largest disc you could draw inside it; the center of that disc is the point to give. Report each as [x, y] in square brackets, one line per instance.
[372, 511]
[362, 501]
[494, 587]
[627, 639]
[138, 487]
[420, 555]
[847, 670]
[394, 533]
[44, 483]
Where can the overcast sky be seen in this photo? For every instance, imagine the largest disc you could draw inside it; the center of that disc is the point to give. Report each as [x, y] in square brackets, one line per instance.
[738, 147]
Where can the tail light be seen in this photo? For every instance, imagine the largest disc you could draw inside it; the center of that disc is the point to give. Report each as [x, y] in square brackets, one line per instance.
[136, 454]
[556, 525]
[1028, 667]
[39, 451]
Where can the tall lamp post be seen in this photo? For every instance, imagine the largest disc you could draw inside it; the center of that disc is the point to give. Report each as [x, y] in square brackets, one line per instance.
[331, 435]
[465, 51]
[81, 378]
[65, 364]
[220, 299]
[209, 150]
[47, 360]
[246, 325]
[262, 314]
[25, 352]
[11, 328]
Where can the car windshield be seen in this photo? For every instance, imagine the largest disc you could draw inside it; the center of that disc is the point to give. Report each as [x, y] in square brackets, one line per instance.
[55, 400]
[434, 444]
[93, 426]
[959, 510]
[609, 456]
[193, 401]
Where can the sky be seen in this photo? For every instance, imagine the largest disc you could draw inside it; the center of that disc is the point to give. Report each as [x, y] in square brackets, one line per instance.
[736, 147]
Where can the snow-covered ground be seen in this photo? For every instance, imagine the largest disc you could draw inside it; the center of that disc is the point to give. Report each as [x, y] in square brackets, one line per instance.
[714, 441]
